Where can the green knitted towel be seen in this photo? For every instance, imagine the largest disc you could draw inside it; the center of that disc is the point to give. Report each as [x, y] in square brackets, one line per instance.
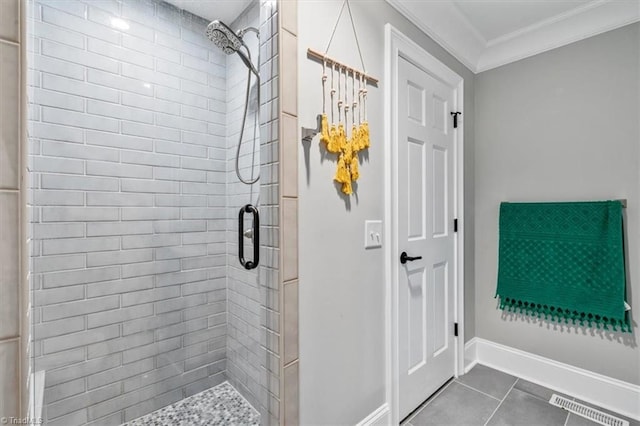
[564, 262]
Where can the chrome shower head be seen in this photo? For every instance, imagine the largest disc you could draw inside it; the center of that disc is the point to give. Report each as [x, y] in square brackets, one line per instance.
[223, 37]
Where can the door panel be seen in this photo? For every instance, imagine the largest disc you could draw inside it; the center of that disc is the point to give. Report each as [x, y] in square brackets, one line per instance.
[439, 180]
[424, 193]
[416, 200]
[439, 310]
[440, 115]
[416, 103]
[417, 318]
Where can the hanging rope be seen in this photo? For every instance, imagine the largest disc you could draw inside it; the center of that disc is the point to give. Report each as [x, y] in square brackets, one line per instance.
[365, 124]
[353, 27]
[347, 149]
[342, 137]
[355, 33]
[355, 135]
[332, 144]
[335, 27]
[342, 174]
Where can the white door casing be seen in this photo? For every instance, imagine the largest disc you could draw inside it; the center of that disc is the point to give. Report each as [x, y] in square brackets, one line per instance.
[423, 194]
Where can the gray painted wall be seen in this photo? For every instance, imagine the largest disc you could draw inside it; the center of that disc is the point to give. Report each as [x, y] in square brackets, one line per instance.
[342, 285]
[129, 161]
[562, 125]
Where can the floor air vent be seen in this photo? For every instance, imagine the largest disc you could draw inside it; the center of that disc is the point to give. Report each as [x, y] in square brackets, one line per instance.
[587, 412]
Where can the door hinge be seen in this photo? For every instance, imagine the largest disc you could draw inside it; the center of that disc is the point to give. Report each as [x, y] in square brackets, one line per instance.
[455, 225]
[455, 119]
[455, 329]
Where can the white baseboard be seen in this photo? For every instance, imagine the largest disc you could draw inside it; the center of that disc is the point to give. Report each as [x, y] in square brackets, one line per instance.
[470, 355]
[612, 394]
[381, 416]
[36, 395]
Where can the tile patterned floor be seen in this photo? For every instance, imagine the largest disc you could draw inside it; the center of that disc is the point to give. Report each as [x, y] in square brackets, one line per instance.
[220, 405]
[488, 397]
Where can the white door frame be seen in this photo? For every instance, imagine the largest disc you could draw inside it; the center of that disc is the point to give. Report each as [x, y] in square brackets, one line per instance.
[397, 46]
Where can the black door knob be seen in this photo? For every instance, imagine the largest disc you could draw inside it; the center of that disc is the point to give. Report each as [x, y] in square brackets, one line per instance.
[404, 258]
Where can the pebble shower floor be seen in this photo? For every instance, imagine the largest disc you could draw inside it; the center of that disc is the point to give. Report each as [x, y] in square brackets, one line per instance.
[220, 405]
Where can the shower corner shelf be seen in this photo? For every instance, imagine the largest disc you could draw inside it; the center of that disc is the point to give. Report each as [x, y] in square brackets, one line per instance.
[309, 133]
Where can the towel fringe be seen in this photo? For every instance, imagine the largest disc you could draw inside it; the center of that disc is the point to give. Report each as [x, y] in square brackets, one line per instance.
[565, 316]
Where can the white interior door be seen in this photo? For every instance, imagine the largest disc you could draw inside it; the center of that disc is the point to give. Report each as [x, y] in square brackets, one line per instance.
[425, 194]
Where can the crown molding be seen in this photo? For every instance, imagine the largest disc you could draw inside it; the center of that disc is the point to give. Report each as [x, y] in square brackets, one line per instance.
[443, 22]
[546, 22]
[592, 19]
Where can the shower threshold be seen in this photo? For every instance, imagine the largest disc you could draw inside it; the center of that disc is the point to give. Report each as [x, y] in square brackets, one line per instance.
[220, 405]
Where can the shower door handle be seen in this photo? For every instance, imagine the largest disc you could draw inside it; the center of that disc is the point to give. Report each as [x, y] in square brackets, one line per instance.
[249, 264]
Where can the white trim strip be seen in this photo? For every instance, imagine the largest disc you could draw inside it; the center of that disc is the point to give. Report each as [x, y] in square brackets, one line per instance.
[36, 394]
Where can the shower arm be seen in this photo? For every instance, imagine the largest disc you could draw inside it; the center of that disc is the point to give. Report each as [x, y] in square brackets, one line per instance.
[242, 32]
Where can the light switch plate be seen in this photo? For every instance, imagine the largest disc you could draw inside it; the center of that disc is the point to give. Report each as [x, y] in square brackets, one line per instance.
[372, 233]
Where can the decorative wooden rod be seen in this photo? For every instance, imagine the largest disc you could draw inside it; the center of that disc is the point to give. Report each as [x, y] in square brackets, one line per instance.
[321, 57]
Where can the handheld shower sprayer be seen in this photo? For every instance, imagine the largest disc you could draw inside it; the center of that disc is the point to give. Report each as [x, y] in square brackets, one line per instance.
[224, 37]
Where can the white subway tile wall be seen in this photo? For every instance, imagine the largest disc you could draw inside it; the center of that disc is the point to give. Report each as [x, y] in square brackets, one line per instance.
[138, 301]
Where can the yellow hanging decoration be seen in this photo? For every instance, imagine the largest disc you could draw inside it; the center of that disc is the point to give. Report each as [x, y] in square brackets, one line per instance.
[348, 152]
[353, 168]
[364, 137]
[355, 138]
[324, 130]
[348, 147]
[333, 145]
[347, 188]
[342, 174]
[340, 138]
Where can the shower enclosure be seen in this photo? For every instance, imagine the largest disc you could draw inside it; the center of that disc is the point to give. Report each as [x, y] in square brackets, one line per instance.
[144, 159]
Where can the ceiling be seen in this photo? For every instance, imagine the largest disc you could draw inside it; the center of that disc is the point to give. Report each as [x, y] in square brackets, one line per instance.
[225, 10]
[485, 34]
